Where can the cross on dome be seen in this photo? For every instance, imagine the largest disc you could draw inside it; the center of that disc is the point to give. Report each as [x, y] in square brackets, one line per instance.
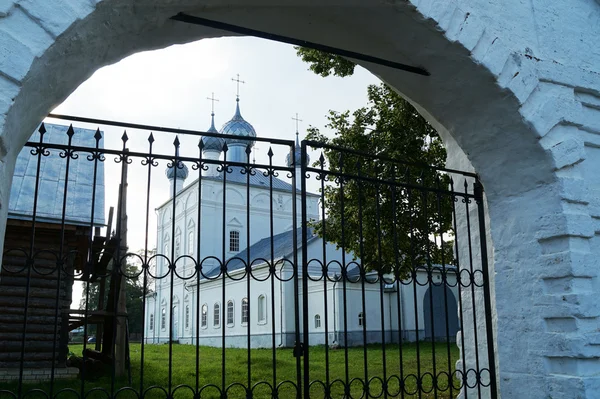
[238, 81]
[212, 100]
[297, 134]
[298, 152]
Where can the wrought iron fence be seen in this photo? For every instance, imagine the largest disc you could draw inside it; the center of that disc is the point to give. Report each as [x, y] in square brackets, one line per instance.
[242, 273]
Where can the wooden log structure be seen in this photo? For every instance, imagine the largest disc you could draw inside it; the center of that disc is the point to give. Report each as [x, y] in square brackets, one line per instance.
[36, 292]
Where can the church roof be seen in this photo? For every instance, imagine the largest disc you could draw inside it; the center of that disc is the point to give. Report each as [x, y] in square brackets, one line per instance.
[238, 126]
[289, 161]
[283, 246]
[212, 143]
[181, 170]
[52, 181]
[256, 180]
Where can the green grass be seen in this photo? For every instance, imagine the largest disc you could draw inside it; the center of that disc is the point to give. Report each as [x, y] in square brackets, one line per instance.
[262, 373]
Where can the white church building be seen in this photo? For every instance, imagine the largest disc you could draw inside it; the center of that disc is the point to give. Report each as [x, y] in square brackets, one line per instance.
[231, 219]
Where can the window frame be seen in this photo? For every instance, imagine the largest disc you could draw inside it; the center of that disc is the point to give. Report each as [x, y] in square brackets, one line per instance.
[204, 316]
[230, 313]
[234, 240]
[361, 319]
[187, 317]
[151, 322]
[245, 319]
[317, 321]
[190, 249]
[163, 318]
[261, 309]
[217, 315]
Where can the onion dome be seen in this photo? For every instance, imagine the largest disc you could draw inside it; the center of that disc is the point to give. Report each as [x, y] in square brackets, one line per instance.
[298, 153]
[181, 171]
[239, 127]
[212, 143]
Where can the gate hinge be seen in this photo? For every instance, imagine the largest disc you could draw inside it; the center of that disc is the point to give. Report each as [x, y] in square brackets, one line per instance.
[298, 349]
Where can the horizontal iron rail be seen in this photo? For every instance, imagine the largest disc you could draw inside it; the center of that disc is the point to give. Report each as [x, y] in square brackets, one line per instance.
[190, 19]
[317, 144]
[132, 154]
[198, 133]
[387, 182]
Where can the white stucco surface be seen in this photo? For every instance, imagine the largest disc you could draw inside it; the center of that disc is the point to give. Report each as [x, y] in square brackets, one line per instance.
[514, 84]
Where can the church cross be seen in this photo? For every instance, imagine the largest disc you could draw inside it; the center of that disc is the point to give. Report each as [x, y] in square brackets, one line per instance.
[238, 84]
[212, 99]
[297, 120]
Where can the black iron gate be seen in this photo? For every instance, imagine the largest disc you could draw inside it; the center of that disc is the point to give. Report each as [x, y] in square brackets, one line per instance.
[264, 275]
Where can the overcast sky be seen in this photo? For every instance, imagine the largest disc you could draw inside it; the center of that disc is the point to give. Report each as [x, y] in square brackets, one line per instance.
[170, 87]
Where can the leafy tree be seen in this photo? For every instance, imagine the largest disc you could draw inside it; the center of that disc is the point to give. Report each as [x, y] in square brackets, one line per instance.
[325, 64]
[392, 227]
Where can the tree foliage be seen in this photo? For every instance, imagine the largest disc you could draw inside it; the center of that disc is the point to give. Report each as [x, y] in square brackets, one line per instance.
[325, 64]
[392, 215]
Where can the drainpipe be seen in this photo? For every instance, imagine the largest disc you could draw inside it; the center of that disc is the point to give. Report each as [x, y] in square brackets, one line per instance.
[400, 292]
[390, 307]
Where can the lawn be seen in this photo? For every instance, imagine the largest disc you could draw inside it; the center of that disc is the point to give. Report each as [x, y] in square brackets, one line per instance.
[262, 375]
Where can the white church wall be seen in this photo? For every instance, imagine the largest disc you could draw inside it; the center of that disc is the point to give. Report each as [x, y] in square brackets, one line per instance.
[211, 292]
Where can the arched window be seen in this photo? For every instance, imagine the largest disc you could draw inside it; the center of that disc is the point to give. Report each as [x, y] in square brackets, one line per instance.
[262, 309]
[163, 318]
[177, 244]
[361, 319]
[234, 241]
[230, 313]
[151, 322]
[217, 316]
[190, 238]
[245, 313]
[317, 321]
[187, 316]
[191, 242]
[204, 319]
[167, 255]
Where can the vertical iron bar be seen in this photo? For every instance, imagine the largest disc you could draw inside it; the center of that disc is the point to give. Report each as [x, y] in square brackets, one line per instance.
[486, 287]
[414, 270]
[344, 278]
[30, 259]
[249, 275]
[272, 270]
[61, 255]
[146, 266]
[397, 276]
[363, 277]
[90, 256]
[117, 258]
[198, 264]
[325, 276]
[223, 307]
[173, 262]
[381, 285]
[430, 283]
[444, 284]
[306, 377]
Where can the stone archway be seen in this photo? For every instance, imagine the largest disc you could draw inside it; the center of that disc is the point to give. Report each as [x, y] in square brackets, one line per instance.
[514, 91]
